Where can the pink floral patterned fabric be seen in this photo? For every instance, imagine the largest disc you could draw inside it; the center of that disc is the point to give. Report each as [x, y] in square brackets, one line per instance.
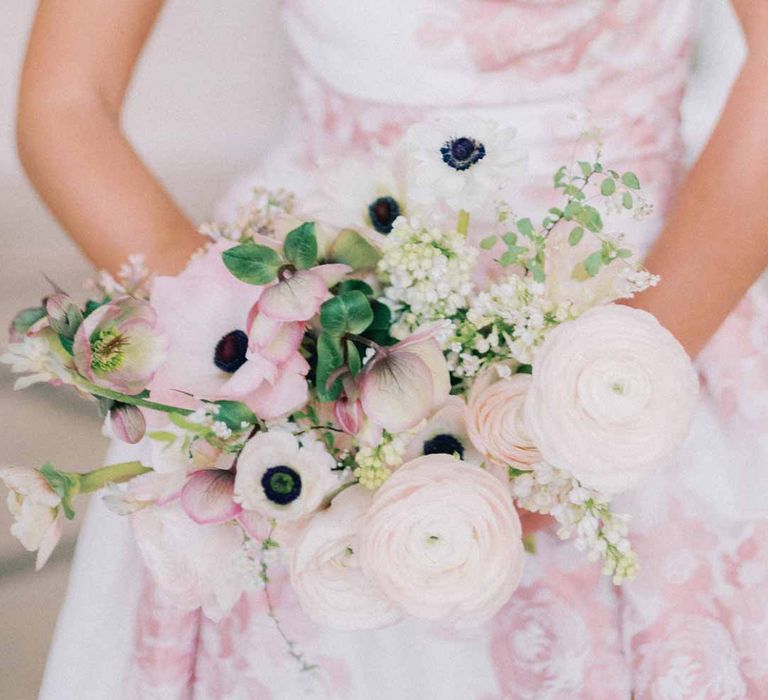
[694, 625]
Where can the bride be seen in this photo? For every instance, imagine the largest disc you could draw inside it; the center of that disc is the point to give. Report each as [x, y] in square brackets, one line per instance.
[694, 624]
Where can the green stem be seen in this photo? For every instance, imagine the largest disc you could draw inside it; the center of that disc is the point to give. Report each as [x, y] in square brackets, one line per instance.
[462, 225]
[132, 400]
[116, 473]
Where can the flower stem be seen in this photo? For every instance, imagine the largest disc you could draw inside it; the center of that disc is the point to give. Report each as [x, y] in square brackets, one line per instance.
[116, 473]
[462, 225]
[132, 400]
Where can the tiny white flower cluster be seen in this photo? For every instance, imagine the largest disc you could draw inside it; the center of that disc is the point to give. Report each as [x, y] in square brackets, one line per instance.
[206, 417]
[133, 278]
[632, 280]
[509, 320]
[428, 273]
[375, 464]
[256, 217]
[581, 513]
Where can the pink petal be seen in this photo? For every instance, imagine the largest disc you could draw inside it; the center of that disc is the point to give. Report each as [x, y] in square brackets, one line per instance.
[249, 377]
[207, 497]
[128, 423]
[431, 354]
[397, 391]
[348, 414]
[256, 526]
[49, 542]
[288, 394]
[275, 340]
[332, 273]
[295, 299]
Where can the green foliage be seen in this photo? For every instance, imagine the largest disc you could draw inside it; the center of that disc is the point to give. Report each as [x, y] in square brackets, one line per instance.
[354, 362]
[66, 486]
[352, 249]
[349, 312]
[352, 285]
[300, 246]
[330, 357]
[252, 263]
[234, 413]
[608, 187]
[631, 181]
[576, 235]
[26, 318]
[488, 242]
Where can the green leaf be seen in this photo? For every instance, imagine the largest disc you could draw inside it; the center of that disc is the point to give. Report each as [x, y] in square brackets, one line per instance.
[354, 362]
[586, 168]
[623, 253]
[608, 187]
[510, 239]
[349, 312]
[382, 317]
[590, 218]
[514, 472]
[631, 181]
[572, 210]
[352, 249]
[359, 285]
[234, 413]
[300, 246]
[627, 200]
[556, 212]
[537, 271]
[67, 344]
[252, 263]
[525, 226]
[162, 436]
[576, 235]
[91, 306]
[329, 358]
[26, 318]
[524, 369]
[598, 167]
[488, 242]
[66, 486]
[593, 263]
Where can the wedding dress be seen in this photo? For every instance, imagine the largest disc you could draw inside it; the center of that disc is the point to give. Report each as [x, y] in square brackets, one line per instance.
[694, 624]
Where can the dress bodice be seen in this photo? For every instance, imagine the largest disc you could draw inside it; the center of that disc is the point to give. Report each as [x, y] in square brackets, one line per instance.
[366, 69]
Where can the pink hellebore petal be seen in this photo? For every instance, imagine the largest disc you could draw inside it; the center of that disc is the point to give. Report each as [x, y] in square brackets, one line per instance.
[128, 423]
[287, 394]
[274, 340]
[405, 383]
[349, 414]
[119, 347]
[207, 497]
[300, 295]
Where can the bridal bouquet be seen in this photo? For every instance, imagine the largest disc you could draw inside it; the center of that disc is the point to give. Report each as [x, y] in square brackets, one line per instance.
[367, 384]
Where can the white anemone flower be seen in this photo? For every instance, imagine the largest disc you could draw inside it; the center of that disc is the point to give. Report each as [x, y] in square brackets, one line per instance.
[463, 162]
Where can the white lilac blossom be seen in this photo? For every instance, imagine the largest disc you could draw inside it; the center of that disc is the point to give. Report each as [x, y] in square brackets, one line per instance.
[463, 163]
[262, 215]
[427, 271]
[582, 514]
[40, 357]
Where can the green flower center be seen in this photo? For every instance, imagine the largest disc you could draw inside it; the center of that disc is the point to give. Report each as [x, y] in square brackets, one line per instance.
[107, 346]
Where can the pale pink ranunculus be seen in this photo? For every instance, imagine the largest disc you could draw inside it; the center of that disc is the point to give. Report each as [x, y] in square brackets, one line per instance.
[36, 510]
[280, 478]
[612, 397]
[402, 384]
[326, 574]
[195, 566]
[208, 317]
[119, 346]
[442, 539]
[496, 420]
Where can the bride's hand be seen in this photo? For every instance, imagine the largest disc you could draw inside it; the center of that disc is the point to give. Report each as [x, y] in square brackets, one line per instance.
[79, 63]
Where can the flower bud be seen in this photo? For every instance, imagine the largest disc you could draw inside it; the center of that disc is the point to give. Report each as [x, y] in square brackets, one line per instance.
[128, 423]
[64, 316]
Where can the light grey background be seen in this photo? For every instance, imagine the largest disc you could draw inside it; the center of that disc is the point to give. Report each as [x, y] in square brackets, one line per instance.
[207, 100]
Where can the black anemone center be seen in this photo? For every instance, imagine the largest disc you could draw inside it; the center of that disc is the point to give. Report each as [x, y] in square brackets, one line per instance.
[462, 153]
[281, 484]
[229, 355]
[444, 444]
[383, 212]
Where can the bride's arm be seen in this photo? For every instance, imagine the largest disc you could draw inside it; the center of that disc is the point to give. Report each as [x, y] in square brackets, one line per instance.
[715, 242]
[79, 63]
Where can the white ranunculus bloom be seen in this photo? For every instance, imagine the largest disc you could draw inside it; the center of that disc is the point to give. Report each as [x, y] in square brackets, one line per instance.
[612, 397]
[326, 574]
[443, 540]
[35, 509]
[280, 478]
[462, 162]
